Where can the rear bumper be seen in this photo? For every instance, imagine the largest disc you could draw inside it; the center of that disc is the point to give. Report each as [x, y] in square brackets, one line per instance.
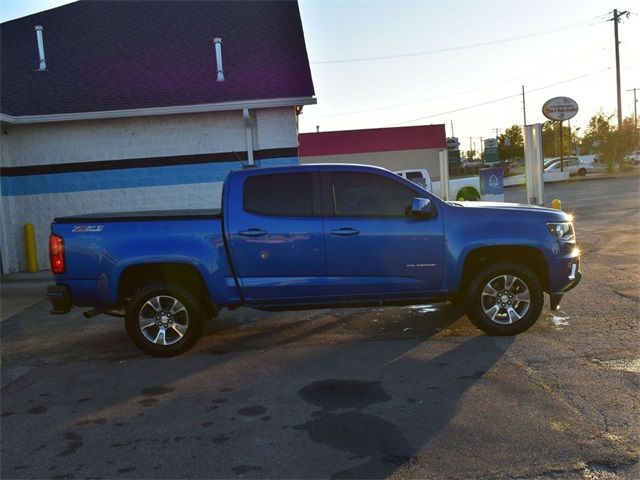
[60, 298]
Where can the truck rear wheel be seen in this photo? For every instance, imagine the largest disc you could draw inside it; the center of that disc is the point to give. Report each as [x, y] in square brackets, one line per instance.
[504, 298]
[164, 319]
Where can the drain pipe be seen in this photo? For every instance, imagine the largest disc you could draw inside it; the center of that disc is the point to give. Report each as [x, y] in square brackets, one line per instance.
[249, 132]
[43, 62]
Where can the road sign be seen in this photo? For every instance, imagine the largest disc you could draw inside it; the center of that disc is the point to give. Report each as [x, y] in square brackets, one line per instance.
[560, 108]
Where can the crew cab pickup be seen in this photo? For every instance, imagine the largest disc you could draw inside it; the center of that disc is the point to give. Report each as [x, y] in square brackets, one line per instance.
[301, 237]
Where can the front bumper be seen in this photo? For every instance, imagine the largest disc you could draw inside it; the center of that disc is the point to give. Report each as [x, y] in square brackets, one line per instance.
[574, 279]
[60, 298]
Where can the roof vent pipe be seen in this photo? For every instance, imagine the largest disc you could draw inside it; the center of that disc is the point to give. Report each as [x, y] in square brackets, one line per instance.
[43, 62]
[217, 42]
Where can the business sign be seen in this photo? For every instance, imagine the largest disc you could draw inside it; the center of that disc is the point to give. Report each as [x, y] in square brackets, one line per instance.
[454, 158]
[453, 143]
[491, 181]
[490, 143]
[560, 108]
[491, 151]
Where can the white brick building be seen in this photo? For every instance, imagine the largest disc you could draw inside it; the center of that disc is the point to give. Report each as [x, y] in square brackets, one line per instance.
[152, 146]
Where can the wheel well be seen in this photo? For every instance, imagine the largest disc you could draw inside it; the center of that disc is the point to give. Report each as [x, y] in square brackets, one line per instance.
[137, 276]
[531, 257]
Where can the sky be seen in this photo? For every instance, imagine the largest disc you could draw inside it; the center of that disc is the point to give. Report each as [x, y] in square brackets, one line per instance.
[396, 63]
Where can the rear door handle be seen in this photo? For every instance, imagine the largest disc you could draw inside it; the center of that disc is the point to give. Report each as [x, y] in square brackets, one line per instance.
[252, 232]
[345, 232]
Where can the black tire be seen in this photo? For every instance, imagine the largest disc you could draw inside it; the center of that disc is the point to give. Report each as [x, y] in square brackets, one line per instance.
[582, 172]
[180, 329]
[512, 314]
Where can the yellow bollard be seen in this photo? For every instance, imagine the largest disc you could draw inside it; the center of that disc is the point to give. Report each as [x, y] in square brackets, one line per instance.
[30, 248]
[556, 203]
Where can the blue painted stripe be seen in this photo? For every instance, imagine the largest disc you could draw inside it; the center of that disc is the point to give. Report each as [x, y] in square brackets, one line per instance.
[127, 178]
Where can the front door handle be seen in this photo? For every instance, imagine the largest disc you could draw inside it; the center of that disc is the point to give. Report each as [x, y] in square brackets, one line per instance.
[345, 232]
[252, 232]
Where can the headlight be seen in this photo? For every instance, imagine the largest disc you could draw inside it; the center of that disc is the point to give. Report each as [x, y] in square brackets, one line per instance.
[562, 230]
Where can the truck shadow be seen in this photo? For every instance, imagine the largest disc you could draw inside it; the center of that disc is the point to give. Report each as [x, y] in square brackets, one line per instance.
[369, 421]
[251, 329]
[378, 388]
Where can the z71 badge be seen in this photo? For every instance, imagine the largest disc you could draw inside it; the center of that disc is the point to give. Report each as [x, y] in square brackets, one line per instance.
[87, 228]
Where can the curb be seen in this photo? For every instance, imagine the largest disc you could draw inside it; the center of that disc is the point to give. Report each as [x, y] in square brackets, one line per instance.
[587, 178]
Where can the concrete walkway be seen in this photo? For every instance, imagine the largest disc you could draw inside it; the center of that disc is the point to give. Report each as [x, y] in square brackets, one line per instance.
[20, 291]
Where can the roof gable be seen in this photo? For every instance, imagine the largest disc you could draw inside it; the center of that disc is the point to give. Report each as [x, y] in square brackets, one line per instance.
[156, 53]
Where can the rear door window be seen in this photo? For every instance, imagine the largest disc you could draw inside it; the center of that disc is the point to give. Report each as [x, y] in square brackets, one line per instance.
[288, 194]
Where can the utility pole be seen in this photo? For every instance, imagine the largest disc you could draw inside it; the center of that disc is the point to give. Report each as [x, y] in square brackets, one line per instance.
[497, 130]
[635, 108]
[524, 107]
[452, 134]
[616, 17]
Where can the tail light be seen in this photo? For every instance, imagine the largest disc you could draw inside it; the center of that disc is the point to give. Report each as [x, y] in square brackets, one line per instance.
[56, 254]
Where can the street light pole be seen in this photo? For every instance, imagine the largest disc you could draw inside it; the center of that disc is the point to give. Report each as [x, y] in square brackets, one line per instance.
[635, 108]
[524, 107]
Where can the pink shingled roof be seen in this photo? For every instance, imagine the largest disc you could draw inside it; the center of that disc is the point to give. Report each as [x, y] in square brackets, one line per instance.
[372, 140]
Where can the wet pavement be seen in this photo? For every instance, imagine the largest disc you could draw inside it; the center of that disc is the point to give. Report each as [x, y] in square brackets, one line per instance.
[403, 392]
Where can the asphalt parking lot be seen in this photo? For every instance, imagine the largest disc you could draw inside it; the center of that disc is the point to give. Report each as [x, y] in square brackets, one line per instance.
[401, 392]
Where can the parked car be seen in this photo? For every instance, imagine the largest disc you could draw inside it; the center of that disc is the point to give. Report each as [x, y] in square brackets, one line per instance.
[310, 236]
[573, 165]
[463, 188]
[633, 158]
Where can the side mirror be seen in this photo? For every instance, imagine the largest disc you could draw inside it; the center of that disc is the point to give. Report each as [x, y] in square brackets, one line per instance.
[422, 208]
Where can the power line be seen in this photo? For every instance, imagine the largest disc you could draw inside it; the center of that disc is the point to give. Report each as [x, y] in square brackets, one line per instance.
[409, 104]
[571, 80]
[570, 26]
[502, 98]
[456, 110]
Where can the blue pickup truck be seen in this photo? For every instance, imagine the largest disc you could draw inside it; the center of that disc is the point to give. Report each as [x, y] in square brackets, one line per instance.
[301, 237]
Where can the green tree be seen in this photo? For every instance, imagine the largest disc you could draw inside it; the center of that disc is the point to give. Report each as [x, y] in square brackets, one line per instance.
[511, 143]
[551, 140]
[628, 138]
[606, 141]
[471, 154]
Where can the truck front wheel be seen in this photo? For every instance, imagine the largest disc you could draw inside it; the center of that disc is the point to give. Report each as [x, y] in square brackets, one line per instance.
[504, 298]
[164, 319]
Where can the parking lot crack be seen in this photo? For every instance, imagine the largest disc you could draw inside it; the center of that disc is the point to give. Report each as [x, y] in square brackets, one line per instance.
[556, 394]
